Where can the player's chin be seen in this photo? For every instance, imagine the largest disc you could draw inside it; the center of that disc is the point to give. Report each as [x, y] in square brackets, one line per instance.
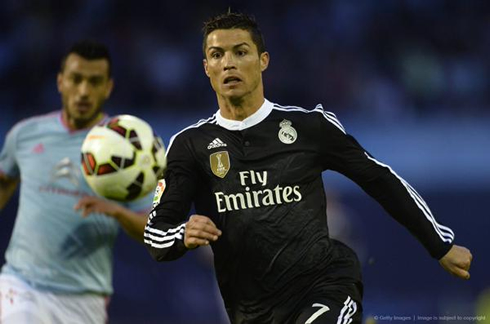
[235, 96]
[82, 120]
[83, 117]
[233, 91]
[83, 114]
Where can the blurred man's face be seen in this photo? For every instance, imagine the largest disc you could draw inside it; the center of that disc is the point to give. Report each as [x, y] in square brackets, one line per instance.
[233, 64]
[84, 86]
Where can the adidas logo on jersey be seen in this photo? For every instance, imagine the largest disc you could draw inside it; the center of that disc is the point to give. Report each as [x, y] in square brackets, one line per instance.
[38, 149]
[216, 143]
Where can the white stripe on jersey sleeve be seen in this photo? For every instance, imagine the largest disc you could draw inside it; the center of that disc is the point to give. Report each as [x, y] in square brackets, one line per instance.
[159, 246]
[153, 236]
[210, 120]
[152, 214]
[330, 116]
[445, 233]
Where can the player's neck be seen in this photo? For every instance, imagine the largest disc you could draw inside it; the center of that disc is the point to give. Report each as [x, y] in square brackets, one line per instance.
[74, 124]
[240, 108]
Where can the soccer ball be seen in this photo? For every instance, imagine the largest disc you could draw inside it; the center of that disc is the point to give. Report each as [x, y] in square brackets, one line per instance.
[123, 158]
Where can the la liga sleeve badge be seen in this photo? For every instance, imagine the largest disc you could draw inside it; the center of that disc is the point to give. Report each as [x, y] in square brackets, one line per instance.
[159, 192]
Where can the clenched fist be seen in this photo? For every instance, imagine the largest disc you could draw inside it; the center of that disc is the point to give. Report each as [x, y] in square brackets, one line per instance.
[200, 230]
[457, 261]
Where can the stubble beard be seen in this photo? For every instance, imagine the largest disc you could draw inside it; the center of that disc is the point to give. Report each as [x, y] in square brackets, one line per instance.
[240, 99]
[82, 122]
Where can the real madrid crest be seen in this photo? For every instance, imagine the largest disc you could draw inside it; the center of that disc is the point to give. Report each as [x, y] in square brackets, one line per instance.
[220, 163]
[287, 134]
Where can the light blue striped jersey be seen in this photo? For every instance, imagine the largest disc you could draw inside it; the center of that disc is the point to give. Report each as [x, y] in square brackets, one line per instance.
[52, 247]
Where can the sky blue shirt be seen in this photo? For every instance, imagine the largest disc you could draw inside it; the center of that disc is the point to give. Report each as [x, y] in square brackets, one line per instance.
[52, 247]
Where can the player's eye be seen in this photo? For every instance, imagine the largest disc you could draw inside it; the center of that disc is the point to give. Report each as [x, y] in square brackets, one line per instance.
[241, 53]
[76, 78]
[96, 81]
[216, 55]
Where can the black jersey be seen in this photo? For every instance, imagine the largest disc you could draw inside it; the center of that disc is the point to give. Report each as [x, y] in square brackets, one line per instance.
[260, 181]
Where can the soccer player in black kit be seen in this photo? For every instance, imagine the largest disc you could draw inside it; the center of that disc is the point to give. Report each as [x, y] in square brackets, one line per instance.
[254, 174]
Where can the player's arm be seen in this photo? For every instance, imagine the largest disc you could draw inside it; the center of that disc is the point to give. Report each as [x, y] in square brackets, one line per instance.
[7, 188]
[133, 223]
[9, 171]
[168, 234]
[164, 232]
[343, 153]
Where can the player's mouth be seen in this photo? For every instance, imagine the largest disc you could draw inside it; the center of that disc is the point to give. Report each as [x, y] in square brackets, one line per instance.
[83, 106]
[232, 80]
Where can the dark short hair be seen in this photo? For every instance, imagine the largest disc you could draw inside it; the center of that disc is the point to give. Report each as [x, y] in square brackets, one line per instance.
[89, 50]
[233, 20]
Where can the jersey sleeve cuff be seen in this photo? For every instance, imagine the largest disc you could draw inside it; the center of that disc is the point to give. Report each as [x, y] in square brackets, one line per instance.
[440, 253]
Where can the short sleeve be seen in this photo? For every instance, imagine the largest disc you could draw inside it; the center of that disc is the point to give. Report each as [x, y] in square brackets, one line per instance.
[8, 160]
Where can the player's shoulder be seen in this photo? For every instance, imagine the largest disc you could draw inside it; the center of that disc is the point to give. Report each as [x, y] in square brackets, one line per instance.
[35, 123]
[297, 110]
[317, 113]
[194, 131]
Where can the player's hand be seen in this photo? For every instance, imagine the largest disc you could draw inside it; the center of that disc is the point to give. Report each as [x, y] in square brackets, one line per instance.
[457, 261]
[91, 204]
[200, 230]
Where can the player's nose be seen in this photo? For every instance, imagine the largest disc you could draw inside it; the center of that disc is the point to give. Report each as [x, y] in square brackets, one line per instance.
[229, 61]
[84, 88]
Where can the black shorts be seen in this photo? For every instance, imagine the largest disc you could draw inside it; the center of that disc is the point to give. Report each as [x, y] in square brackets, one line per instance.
[338, 308]
[337, 302]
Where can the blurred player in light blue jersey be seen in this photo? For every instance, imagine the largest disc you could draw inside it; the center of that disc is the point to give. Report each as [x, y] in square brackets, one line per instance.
[59, 259]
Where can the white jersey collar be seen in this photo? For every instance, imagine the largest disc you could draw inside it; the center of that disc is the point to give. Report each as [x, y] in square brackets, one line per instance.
[252, 120]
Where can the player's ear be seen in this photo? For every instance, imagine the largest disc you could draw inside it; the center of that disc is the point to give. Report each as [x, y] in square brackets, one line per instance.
[110, 86]
[264, 61]
[205, 64]
[59, 81]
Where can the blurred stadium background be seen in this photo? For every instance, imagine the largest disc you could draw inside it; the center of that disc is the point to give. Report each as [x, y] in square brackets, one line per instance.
[409, 79]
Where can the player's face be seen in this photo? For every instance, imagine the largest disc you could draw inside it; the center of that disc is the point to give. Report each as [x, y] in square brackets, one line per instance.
[84, 85]
[233, 64]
